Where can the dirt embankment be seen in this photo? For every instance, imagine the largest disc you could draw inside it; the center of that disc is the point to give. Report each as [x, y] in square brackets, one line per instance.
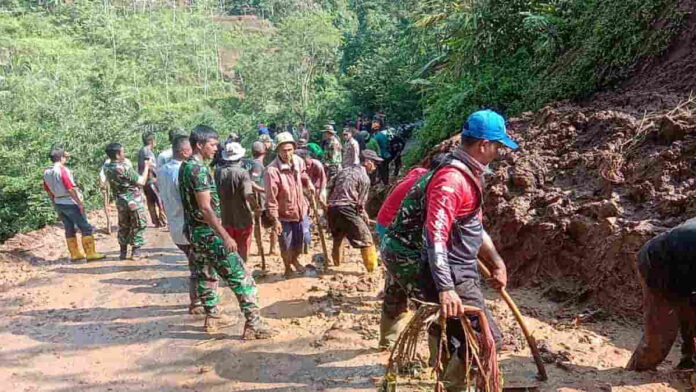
[594, 180]
[587, 188]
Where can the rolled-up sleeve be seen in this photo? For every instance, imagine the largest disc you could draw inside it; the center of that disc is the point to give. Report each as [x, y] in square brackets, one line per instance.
[363, 191]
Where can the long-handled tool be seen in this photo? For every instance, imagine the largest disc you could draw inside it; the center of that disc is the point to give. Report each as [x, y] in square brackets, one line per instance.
[257, 235]
[106, 209]
[327, 260]
[518, 316]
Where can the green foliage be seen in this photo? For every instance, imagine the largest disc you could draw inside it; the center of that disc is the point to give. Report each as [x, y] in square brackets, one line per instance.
[87, 73]
[84, 75]
[381, 56]
[518, 55]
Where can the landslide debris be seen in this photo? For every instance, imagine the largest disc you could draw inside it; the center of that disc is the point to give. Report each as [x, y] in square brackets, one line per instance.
[570, 209]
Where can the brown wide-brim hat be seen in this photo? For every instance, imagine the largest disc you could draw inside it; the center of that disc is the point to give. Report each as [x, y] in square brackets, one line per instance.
[371, 155]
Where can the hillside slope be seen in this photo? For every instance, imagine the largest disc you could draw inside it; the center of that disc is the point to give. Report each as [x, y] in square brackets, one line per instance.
[594, 180]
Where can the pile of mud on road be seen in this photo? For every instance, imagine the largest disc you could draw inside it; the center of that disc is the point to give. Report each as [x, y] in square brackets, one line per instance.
[570, 209]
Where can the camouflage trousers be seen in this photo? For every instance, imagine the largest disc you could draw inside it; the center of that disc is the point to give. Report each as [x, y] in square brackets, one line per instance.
[404, 274]
[131, 225]
[211, 260]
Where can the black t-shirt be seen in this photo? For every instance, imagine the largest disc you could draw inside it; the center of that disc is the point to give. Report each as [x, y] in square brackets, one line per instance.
[234, 185]
[671, 260]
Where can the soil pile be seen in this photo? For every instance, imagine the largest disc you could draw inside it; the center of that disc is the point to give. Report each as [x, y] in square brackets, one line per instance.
[587, 188]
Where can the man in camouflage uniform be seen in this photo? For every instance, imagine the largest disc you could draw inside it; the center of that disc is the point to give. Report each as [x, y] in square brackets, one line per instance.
[215, 252]
[333, 152]
[126, 186]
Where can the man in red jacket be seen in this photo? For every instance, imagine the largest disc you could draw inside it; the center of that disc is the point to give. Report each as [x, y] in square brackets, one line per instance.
[395, 305]
[285, 181]
[440, 222]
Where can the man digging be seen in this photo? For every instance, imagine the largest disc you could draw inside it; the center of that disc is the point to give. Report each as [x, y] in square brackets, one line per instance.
[667, 272]
[215, 252]
[451, 237]
[346, 214]
[237, 197]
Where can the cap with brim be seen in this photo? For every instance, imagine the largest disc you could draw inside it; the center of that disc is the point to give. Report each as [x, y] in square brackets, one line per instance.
[488, 125]
[330, 129]
[347, 131]
[371, 155]
[233, 152]
[283, 138]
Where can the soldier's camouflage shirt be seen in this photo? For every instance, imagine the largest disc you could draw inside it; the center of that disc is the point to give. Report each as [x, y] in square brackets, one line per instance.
[195, 176]
[123, 180]
[333, 153]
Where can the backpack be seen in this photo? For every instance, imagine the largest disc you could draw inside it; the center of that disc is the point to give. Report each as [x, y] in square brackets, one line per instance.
[405, 236]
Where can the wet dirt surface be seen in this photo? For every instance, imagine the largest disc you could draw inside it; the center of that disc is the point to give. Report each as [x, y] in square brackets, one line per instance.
[123, 326]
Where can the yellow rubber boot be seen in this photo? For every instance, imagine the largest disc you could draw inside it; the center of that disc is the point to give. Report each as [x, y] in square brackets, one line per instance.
[90, 248]
[369, 258]
[74, 249]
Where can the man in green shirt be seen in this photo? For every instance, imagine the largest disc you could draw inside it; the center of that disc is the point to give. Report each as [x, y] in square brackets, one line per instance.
[126, 186]
[215, 252]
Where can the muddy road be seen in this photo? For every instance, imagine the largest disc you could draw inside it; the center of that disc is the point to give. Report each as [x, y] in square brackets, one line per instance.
[123, 326]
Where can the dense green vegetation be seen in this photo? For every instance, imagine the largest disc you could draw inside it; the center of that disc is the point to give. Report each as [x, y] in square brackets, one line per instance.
[87, 73]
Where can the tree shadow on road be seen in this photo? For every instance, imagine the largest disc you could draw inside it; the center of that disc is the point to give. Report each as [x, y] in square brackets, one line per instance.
[319, 369]
[170, 285]
[118, 268]
[109, 326]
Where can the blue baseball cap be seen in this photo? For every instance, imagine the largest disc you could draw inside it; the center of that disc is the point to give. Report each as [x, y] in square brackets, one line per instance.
[488, 125]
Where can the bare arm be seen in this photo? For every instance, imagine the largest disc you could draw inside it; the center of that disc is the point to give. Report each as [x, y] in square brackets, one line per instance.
[251, 199]
[258, 188]
[75, 195]
[249, 193]
[491, 259]
[142, 179]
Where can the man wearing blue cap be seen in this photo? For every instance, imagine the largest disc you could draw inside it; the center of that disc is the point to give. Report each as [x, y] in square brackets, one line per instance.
[442, 216]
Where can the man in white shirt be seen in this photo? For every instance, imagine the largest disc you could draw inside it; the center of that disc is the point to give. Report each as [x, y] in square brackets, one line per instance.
[167, 155]
[169, 192]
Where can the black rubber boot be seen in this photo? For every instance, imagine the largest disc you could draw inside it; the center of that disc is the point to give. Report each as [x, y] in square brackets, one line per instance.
[123, 255]
[255, 328]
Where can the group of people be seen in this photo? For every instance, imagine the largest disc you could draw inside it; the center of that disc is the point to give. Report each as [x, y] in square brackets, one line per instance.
[429, 227]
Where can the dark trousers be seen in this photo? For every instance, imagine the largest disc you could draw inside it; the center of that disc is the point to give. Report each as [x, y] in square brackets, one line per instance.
[469, 291]
[73, 219]
[154, 206]
[346, 221]
[383, 171]
[397, 165]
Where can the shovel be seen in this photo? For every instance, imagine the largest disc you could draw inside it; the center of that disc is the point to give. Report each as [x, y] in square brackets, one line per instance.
[321, 232]
[518, 316]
